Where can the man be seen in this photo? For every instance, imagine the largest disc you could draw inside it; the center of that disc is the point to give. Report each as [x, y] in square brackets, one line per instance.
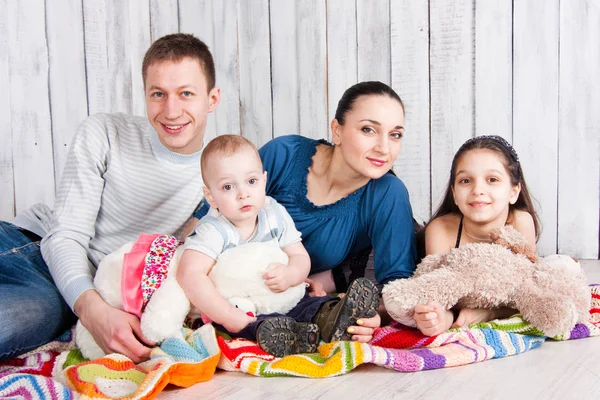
[124, 175]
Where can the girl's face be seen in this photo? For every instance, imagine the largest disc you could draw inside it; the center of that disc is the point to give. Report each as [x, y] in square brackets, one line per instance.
[482, 189]
[371, 138]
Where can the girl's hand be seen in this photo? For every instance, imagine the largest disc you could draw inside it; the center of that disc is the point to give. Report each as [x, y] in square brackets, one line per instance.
[469, 316]
[432, 319]
[365, 328]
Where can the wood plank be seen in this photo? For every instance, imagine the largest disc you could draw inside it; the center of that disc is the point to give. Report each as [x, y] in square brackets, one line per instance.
[578, 129]
[452, 86]
[225, 51]
[410, 79]
[30, 112]
[493, 72]
[299, 87]
[7, 200]
[256, 116]
[119, 57]
[139, 39]
[96, 60]
[284, 74]
[342, 54]
[373, 40]
[195, 17]
[535, 105]
[67, 82]
[164, 18]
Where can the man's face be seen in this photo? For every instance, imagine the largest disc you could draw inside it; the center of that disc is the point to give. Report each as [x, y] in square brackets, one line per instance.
[178, 103]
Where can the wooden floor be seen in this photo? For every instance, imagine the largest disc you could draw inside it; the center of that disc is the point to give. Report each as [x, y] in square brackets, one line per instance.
[556, 370]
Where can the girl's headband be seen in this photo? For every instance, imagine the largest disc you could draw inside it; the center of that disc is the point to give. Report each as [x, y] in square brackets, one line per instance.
[502, 142]
[497, 139]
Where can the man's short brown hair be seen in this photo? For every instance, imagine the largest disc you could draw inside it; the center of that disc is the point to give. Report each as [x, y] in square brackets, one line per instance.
[224, 145]
[176, 47]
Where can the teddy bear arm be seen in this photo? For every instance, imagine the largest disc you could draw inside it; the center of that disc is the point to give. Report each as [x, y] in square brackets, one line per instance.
[442, 286]
[550, 311]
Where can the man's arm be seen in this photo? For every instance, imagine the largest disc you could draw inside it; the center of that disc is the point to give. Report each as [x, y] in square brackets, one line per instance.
[189, 228]
[65, 248]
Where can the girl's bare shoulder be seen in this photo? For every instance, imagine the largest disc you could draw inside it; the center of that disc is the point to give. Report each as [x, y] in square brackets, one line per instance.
[522, 221]
[445, 224]
[440, 233]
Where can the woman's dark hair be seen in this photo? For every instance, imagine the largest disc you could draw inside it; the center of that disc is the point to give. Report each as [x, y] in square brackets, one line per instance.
[510, 159]
[363, 89]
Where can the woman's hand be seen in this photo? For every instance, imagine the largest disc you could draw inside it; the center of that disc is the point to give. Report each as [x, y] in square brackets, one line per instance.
[315, 289]
[363, 331]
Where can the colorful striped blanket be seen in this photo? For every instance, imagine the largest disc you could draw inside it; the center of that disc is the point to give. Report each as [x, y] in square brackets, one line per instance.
[58, 371]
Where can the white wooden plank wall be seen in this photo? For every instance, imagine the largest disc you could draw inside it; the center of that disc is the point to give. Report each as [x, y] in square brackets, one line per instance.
[451, 72]
[535, 105]
[7, 187]
[526, 70]
[410, 78]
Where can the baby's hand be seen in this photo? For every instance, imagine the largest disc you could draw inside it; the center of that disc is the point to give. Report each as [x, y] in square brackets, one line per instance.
[276, 278]
[238, 319]
[432, 319]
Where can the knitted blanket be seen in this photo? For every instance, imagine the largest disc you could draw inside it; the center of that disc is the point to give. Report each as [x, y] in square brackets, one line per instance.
[58, 371]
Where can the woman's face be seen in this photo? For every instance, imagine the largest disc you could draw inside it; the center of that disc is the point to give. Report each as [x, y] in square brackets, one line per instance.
[371, 137]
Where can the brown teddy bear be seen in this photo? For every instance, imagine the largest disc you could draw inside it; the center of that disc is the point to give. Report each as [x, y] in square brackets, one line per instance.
[551, 293]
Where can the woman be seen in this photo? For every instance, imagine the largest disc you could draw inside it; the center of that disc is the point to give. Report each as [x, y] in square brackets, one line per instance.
[342, 196]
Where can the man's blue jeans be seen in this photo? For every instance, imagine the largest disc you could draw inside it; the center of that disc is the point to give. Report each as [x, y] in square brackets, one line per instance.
[32, 310]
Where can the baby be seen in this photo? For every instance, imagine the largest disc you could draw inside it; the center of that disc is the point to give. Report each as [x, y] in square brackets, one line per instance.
[240, 212]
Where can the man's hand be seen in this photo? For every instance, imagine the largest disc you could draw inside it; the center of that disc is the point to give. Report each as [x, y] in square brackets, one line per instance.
[237, 320]
[277, 279]
[114, 330]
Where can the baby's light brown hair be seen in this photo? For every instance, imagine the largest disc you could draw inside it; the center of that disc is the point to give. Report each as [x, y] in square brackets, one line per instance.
[225, 145]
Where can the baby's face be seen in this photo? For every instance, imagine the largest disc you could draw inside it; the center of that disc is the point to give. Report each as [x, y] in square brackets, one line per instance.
[237, 185]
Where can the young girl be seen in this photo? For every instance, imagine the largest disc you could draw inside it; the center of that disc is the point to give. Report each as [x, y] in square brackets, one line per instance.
[486, 190]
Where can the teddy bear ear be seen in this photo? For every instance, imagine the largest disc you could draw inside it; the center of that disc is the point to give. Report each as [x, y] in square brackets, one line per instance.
[513, 240]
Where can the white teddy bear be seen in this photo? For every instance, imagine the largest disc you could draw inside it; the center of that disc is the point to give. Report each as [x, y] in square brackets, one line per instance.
[237, 275]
